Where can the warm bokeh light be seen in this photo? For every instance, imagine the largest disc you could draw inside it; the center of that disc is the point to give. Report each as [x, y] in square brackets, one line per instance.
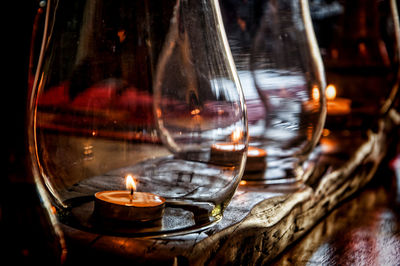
[326, 132]
[158, 112]
[121, 35]
[195, 111]
[330, 92]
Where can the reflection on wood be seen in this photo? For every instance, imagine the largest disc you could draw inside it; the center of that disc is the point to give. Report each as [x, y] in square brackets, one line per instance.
[260, 222]
[362, 231]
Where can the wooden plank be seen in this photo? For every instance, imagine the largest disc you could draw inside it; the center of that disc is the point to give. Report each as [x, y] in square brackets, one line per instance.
[259, 223]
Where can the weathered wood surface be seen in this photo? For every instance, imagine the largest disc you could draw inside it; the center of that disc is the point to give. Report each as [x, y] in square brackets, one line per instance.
[260, 222]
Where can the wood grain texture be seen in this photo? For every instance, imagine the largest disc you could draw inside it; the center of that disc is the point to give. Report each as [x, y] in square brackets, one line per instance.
[259, 223]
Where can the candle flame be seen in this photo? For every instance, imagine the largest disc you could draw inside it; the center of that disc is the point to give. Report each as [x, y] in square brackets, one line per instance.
[130, 183]
[330, 92]
[237, 135]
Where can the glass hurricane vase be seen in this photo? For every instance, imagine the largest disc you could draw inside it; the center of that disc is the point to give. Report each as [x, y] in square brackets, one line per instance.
[283, 80]
[139, 98]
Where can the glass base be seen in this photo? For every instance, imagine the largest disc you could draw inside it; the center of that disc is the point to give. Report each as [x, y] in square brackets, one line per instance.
[196, 194]
[284, 170]
[179, 218]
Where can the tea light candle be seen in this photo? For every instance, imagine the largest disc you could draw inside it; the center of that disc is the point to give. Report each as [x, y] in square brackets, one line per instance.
[336, 105]
[129, 205]
[228, 153]
[256, 164]
[255, 159]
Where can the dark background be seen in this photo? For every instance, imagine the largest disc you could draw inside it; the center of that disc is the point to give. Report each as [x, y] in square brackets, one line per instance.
[26, 235]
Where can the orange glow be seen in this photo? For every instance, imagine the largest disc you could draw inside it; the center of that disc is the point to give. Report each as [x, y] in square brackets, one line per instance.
[326, 132]
[310, 132]
[242, 24]
[130, 183]
[335, 53]
[158, 112]
[195, 111]
[330, 92]
[362, 49]
[243, 182]
[121, 35]
[315, 93]
[237, 135]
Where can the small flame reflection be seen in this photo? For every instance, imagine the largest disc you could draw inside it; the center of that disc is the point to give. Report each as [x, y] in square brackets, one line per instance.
[315, 93]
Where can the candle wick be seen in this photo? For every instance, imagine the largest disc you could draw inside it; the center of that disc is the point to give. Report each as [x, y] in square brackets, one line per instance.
[131, 195]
